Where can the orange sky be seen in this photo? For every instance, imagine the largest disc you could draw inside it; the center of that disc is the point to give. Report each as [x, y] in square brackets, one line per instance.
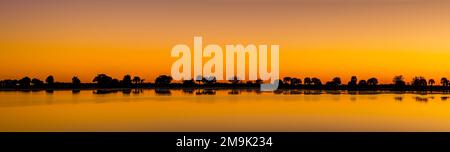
[321, 38]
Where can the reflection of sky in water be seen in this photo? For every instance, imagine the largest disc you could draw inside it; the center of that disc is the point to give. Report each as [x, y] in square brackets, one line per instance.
[223, 110]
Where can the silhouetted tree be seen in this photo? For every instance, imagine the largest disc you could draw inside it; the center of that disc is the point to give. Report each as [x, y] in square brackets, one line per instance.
[234, 80]
[163, 80]
[287, 80]
[188, 83]
[353, 81]
[114, 83]
[372, 81]
[419, 82]
[336, 81]
[102, 80]
[280, 82]
[136, 80]
[9, 83]
[362, 83]
[431, 82]
[76, 81]
[209, 80]
[25, 82]
[399, 80]
[50, 80]
[316, 81]
[36, 82]
[444, 82]
[307, 81]
[295, 81]
[126, 81]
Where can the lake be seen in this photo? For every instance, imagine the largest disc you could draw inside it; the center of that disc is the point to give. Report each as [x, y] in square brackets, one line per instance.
[223, 110]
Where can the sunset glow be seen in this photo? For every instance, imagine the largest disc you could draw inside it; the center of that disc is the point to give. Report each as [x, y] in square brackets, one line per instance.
[317, 38]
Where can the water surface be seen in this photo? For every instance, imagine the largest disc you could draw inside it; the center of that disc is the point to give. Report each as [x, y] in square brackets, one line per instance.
[223, 110]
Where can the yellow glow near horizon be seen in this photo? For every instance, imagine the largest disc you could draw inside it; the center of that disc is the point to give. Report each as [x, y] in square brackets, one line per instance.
[322, 38]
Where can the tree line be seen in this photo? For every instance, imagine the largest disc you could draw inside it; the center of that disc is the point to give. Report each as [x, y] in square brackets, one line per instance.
[105, 81]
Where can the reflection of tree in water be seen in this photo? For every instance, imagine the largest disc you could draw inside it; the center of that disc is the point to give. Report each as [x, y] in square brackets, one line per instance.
[104, 91]
[352, 92]
[234, 92]
[205, 92]
[138, 91]
[421, 99]
[188, 91]
[126, 91]
[162, 91]
[398, 98]
[312, 92]
[278, 91]
[334, 92]
[295, 92]
[75, 91]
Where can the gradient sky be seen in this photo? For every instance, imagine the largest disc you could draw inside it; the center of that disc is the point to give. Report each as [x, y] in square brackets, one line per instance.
[320, 38]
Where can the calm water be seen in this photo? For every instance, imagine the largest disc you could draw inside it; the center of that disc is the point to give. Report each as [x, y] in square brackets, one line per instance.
[225, 111]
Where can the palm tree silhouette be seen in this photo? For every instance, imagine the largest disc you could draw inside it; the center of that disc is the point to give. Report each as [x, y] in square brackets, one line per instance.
[431, 82]
[444, 82]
